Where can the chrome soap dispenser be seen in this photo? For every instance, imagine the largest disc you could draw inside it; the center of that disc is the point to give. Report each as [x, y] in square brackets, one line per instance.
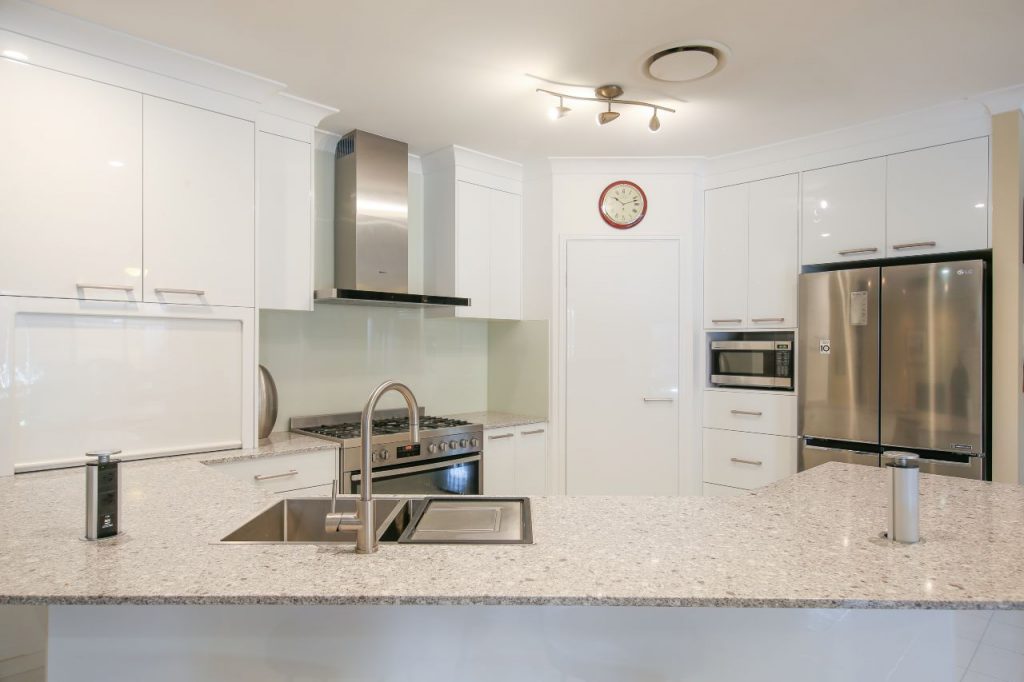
[102, 495]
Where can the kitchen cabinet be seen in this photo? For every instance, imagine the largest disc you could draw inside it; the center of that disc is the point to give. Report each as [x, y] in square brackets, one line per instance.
[747, 460]
[750, 254]
[309, 472]
[751, 411]
[515, 460]
[713, 490]
[844, 212]
[285, 222]
[198, 205]
[937, 199]
[70, 201]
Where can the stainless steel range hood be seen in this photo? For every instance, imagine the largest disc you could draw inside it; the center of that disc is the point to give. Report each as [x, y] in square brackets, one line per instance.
[371, 225]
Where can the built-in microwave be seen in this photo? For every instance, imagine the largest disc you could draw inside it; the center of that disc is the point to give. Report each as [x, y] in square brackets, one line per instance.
[752, 363]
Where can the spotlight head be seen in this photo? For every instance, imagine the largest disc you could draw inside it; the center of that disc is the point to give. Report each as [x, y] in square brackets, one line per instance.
[654, 124]
[607, 117]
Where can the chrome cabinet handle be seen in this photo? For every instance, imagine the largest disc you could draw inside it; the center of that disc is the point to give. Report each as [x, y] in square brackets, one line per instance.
[725, 321]
[851, 252]
[913, 245]
[165, 290]
[107, 287]
[755, 462]
[501, 435]
[658, 400]
[752, 413]
[530, 433]
[267, 477]
[768, 319]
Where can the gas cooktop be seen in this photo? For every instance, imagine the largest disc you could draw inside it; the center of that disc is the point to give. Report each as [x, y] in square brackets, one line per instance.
[393, 425]
[381, 427]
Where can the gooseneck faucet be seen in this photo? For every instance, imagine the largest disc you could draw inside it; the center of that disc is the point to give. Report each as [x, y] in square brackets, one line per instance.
[362, 521]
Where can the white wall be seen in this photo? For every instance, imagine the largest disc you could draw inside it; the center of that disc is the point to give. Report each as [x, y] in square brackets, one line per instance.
[517, 367]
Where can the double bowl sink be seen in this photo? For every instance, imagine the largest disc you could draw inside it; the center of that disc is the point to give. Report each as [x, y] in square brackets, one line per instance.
[411, 520]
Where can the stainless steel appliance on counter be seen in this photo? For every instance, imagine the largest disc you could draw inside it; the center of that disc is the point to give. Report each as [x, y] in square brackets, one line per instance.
[448, 461]
[755, 360]
[894, 357]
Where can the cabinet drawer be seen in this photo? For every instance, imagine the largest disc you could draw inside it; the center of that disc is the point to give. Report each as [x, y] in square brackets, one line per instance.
[750, 411]
[284, 472]
[713, 490]
[747, 460]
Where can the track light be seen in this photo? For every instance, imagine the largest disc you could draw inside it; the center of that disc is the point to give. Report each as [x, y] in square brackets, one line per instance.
[555, 113]
[655, 124]
[607, 116]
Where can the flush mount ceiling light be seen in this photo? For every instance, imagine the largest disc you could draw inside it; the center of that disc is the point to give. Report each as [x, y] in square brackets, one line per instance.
[609, 94]
[686, 62]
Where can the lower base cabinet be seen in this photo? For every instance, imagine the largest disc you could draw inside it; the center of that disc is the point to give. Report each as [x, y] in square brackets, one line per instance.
[747, 460]
[515, 460]
[309, 473]
[714, 490]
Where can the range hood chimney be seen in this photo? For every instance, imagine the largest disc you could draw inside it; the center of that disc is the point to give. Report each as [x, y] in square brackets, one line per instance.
[371, 225]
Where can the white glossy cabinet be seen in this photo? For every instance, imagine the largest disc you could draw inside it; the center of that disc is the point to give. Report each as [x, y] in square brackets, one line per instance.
[505, 213]
[844, 212]
[937, 199]
[309, 472]
[285, 224]
[714, 490]
[747, 460]
[198, 205]
[726, 212]
[751, 411]
[515, 460]
[70, 186]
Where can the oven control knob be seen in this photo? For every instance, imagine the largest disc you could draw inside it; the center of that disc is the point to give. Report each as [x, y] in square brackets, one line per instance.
[384, 455]
[433, 448]
[453, 444]
[463, 443]
[475, 442]
[444, 446]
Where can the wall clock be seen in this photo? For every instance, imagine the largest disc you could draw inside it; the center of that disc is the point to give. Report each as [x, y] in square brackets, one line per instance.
[622, 204]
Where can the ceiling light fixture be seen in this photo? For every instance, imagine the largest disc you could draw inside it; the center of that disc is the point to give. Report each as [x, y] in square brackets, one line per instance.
[608, 94]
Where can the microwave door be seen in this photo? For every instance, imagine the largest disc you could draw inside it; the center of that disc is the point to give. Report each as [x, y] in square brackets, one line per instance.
[838, 355]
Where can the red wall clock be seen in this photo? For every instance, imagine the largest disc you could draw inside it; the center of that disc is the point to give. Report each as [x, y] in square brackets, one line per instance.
[623, 204]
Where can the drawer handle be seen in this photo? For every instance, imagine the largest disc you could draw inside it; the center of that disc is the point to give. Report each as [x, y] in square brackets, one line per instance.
[658, 400]
[755, 462]
[768, 319]
[166, 290]
[752, 413]
[736, 321]
[502, 435]
[267, 477]
[530, 433]
[107, 287]
[914, 245]
[852, 252]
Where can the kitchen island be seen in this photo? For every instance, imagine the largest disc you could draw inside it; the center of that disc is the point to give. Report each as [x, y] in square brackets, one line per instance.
[806, 551]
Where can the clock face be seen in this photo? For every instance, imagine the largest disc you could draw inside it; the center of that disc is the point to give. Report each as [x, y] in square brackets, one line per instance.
[623, 204]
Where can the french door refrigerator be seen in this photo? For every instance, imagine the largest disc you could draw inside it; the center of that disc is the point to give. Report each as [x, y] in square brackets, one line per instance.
[894, 358]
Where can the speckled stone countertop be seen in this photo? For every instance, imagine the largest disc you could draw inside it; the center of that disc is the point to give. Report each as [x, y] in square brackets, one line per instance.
[497, 420]
[279, 443]
[808, 541]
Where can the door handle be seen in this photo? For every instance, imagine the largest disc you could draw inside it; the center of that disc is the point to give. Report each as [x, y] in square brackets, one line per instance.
[530, 433]
[851, 252]
[752, 413]
[736, 321]
[503, 435]
[913, 245]
[755, 462]
[107, 287]
[658, 400]
[166, 290]
[267, 477]
[768, 319]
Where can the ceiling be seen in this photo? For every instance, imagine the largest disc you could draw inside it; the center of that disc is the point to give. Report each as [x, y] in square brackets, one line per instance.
[440, 72]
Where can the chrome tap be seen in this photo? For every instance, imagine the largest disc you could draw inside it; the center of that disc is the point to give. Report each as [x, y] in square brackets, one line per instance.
[362, 520]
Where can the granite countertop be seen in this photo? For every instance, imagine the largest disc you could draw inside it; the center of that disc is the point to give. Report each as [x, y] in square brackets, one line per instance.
[497, 420]
[279, 443]
[808, 541]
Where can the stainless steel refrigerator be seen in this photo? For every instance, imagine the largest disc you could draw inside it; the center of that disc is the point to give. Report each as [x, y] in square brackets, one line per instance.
[894, 358]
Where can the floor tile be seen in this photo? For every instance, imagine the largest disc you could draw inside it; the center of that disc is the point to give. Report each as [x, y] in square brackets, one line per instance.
[1005, 637]
[1001, 664]
[1009, 618]
[972, 676]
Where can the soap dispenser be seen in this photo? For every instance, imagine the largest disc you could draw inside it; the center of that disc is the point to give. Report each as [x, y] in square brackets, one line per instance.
[102, 495]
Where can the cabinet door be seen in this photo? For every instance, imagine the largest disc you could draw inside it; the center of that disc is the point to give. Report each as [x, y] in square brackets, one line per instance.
[506, 255]
[937, 199]
[773, 247]
[499, 461]
[531, 459]
[473, 248]
[747, 460]
[844, 212]
[285, 223]
[725, 257]
[198, 214]
[70, 186]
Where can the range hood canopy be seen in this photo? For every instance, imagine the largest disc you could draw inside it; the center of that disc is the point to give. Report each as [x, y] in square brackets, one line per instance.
[371, 225]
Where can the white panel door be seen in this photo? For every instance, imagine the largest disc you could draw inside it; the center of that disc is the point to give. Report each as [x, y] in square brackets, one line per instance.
[499, 461]
[70, 186]
[506, 255]
[774, 246]
[198, 205]
[473, 248]
[937, 199]
[844, 212]
[285, 223]
[531, 459]
[725, 257]
[622, 367]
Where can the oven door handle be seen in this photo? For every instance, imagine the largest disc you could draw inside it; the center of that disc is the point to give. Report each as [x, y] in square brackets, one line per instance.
[402, 471]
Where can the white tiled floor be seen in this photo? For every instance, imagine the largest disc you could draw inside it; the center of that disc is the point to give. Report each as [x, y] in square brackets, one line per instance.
[992, 644]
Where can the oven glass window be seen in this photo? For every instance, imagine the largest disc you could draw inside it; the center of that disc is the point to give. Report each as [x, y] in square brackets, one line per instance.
[750, 363]
[455, 479]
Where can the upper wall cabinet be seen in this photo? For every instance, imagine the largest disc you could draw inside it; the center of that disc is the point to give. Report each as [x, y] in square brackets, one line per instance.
[474, 232]
[70, 195]
[937, 199]
[750, 265]
[198, 205]
[844, 212]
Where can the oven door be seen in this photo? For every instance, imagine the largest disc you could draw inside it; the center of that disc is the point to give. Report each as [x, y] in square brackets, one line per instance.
[454, 476]
[756, 364]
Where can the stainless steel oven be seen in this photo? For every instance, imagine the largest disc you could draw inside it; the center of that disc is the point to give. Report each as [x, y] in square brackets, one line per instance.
[458, 475]
[752, 363]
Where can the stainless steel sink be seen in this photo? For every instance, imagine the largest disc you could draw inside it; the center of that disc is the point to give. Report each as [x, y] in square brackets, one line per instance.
[470, 521]
[300, 520]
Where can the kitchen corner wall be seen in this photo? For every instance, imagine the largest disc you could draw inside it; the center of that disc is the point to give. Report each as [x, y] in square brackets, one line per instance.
[517, 367]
